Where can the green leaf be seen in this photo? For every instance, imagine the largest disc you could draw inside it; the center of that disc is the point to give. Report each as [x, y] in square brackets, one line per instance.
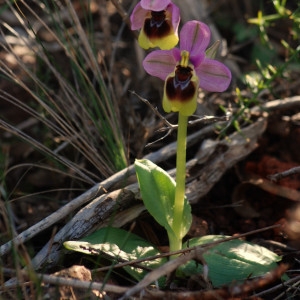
[120, 244]
[231, 261]
[158, 193]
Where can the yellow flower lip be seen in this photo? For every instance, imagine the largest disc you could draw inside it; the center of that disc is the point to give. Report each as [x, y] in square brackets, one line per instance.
[181, 88]
[158, 31]
[158, 21]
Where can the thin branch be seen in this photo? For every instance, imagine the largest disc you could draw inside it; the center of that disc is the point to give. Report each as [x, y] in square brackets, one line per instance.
[170, 127]
[62, 281]
[289, 283]
[235, 291]
[280, 175]
[155, 110]
[123, 13]
[167, 268]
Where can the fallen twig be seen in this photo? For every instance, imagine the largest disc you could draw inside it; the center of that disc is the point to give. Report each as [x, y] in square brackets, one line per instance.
[276, 288]
[280, 175]
[170, 127]
[62, 281]
[233, 292]
[167, 268]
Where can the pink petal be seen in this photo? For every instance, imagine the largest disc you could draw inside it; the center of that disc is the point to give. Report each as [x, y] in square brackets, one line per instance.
[176, 54]
[194, 37]
[213, 75]
[160, 63]
[137, 18]
[197, 59]
[156, 5]
[175, 13]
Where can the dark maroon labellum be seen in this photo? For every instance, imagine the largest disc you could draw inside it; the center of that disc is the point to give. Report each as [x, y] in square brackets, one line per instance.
[157, 18]
[180, 87]
[157, 26]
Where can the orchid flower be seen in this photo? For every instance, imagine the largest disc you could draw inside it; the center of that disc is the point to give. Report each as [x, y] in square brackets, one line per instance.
[158, 21]
[187, 68]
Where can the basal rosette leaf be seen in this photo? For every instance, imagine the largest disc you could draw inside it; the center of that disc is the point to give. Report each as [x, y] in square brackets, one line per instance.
[231, 261]
[118, 244]
[158, 193]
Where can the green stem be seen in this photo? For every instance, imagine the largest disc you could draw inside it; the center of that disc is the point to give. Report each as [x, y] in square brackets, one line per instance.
[180, 182]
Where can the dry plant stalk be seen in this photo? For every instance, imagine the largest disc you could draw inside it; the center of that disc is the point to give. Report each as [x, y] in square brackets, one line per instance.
[79, 115]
